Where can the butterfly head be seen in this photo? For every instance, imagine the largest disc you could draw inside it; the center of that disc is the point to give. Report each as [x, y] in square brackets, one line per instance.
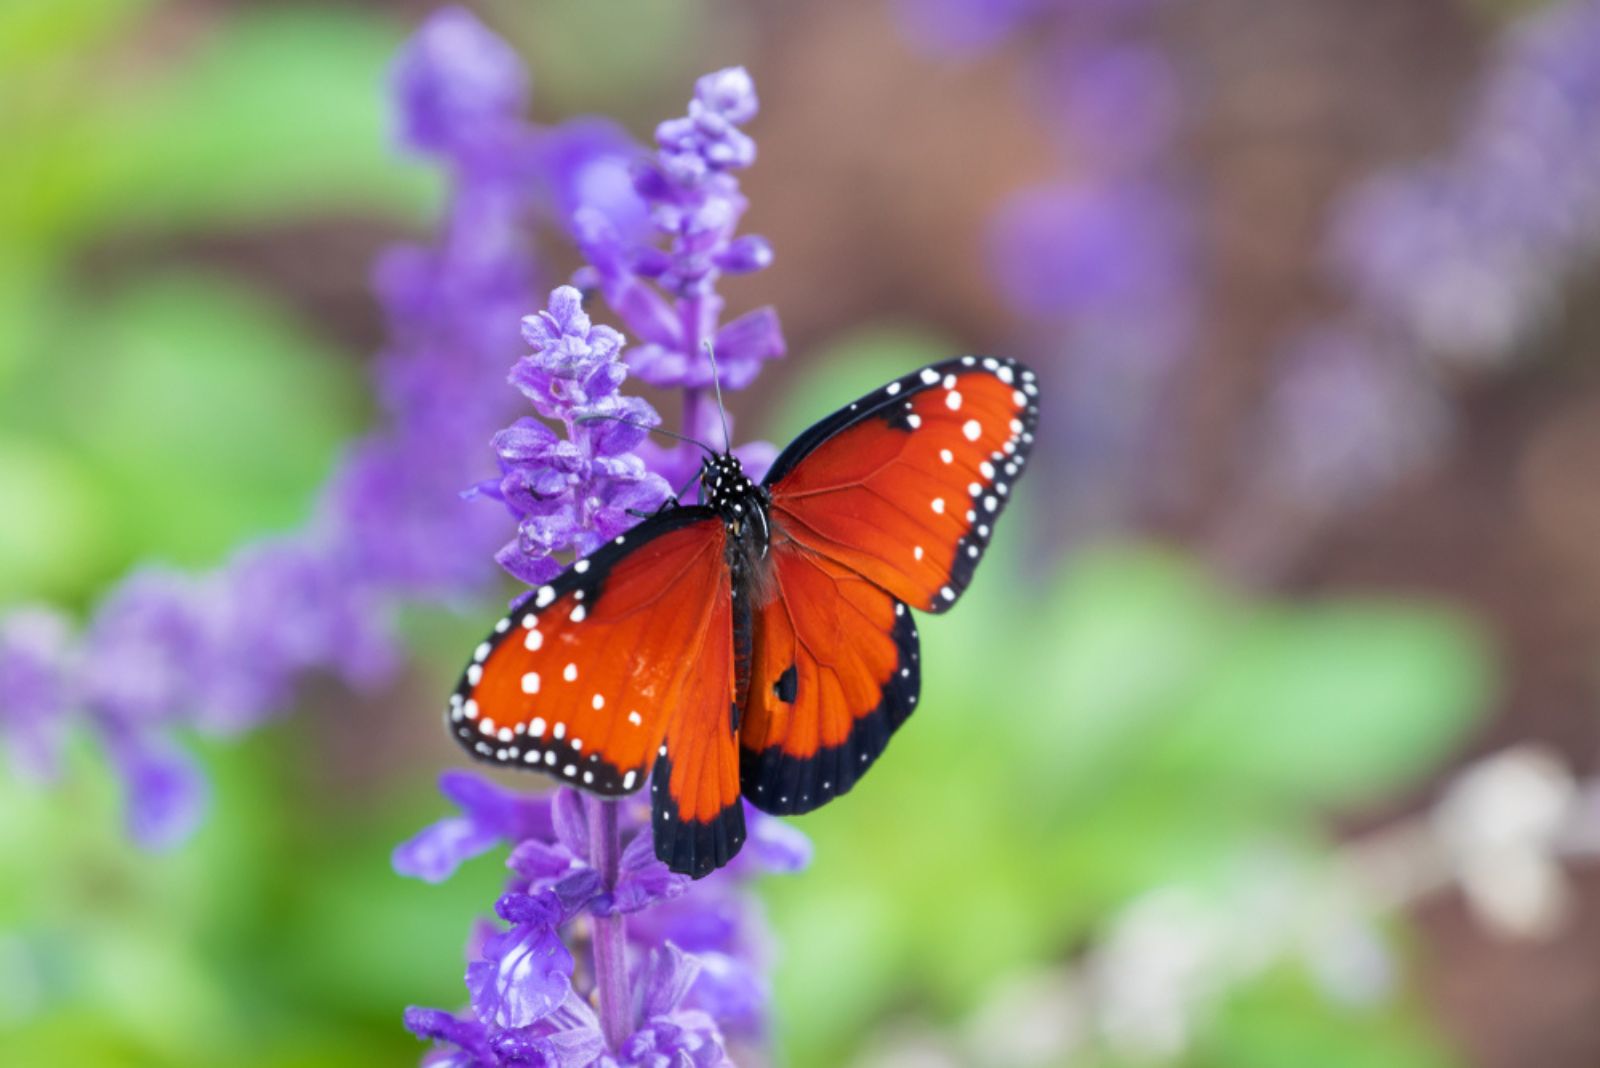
[741, 502]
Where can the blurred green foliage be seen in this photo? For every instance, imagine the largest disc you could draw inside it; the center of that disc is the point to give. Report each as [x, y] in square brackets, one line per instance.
[172, 414]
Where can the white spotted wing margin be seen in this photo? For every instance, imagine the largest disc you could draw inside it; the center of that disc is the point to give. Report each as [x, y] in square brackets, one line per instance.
[580, 679]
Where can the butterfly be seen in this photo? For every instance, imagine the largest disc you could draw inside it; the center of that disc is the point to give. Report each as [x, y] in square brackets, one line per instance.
[759, 645]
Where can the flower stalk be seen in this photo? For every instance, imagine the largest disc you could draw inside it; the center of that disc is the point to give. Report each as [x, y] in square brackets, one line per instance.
[610, 933]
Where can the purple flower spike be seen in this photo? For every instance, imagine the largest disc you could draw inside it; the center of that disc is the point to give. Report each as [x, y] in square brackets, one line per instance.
[166, 794]
[489, 816]
[525, 972]
[454, 81]
[35, 668]
[578, 491]
[667, 295]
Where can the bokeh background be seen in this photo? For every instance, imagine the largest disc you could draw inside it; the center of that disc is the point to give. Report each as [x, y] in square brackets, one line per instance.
[1264, 739]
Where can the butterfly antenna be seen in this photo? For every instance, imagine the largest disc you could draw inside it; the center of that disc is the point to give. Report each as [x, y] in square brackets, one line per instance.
[649, 430]
[716, 384]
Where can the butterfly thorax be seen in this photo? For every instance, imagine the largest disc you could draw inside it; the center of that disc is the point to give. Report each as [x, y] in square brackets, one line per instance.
[740, 502]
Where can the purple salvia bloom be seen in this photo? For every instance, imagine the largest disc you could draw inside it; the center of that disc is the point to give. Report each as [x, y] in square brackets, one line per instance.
[1466, 253]
[1098, 264]
[166, 793]
[703, 944]
[667, 296]
[525, 972]
[1346, 417]
[455, 82]
[573, 478]
[36, 669]
[964, 27]
[578, 491]
[490, 815]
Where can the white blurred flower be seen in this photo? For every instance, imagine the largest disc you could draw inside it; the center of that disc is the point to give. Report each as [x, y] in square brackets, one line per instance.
[1501, 825]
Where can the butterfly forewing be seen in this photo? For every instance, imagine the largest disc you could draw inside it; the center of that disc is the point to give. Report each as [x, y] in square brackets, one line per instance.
[581, 680]
[905, 485]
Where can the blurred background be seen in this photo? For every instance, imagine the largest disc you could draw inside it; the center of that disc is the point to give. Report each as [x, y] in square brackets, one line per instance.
[1265, 739]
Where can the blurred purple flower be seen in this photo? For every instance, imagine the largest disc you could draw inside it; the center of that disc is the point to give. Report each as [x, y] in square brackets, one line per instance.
[1098, 264]
[36, 667]
[1466, 253]
[1062, 252]
[455, 81]
[222, 651]
[1346, 417]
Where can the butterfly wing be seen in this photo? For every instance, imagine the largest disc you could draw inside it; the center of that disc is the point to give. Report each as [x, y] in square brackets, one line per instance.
[623, 662]
[888, 502]
[905, 485]
[834, 671]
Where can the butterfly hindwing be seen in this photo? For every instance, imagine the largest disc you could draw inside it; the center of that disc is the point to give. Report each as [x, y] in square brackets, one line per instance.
[904, 486]
[834, 671]
[582, 679]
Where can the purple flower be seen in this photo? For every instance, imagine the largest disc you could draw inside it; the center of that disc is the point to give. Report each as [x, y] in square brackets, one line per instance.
[1061, 252]
[669, 1034]
[526, 971]
[667, 295]
[702, 946]
[576, 476]
[490, 815]
[166, 793]
[1466, 252]
[1346, 417]
[962, 27]
[454, 82]
[36, 669]
[580, 490]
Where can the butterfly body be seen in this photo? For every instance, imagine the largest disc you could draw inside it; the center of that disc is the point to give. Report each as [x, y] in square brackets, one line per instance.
[760, 644]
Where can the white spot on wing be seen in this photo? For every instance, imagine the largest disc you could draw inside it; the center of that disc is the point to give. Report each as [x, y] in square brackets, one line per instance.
[533, 641]
[938, 505]
[947, 456]
[971, 430]
[952, 400]
[599, 702]
[579, 613]
[581, 566]
[929, 375]
[530, 682]
[545, 595]
[571, 672]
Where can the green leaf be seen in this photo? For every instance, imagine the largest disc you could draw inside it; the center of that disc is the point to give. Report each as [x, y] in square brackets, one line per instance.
[284, 111]
[209, 415]
[1333, 705]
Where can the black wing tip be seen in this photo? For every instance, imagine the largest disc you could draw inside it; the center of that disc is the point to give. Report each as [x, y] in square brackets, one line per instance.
[695, 848]
[783, 785]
